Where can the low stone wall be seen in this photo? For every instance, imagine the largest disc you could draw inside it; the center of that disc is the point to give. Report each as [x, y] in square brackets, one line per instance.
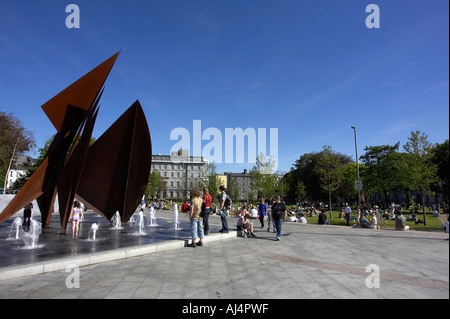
[5, 199]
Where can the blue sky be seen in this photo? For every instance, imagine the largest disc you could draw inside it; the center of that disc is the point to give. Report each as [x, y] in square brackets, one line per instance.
[310, 68]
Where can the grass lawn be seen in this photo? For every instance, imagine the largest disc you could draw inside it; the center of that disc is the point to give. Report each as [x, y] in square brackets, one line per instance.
[433, 223]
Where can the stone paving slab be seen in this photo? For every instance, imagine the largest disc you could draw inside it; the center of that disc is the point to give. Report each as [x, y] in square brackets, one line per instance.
[310, 262]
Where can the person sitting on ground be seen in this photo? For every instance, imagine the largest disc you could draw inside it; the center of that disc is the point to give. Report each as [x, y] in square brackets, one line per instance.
[400, 222]
[363, 223]
[240, 222]
[412, 218]
[373, 221]
[341, 214]
[322, 219]
[248, 226]
[253, 213]
[302, 219]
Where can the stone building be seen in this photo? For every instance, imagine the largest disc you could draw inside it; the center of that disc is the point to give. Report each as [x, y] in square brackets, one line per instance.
[180, 172]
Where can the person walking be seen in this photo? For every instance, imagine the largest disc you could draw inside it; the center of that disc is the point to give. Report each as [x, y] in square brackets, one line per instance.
[207, 199]
[278, 215]
[195, 220]
[269, 216]
[262, 212]
[347, 211]
[223, 206]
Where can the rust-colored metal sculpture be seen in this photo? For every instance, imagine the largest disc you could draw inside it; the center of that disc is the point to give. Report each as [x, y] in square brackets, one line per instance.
[109, 176]
[117, 181]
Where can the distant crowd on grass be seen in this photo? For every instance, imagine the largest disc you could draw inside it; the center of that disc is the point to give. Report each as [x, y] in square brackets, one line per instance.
[373, 215]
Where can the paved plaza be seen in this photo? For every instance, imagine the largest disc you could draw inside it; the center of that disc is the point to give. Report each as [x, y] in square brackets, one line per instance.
[310, 262]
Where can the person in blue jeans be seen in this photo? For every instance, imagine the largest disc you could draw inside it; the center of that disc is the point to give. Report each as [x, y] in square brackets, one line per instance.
[195, 220]
[223, 209]
[278, 215]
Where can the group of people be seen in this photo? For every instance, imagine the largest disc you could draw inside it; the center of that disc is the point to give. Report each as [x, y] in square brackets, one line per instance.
[367, 219]
[76, 214]
[370, 218]
[200, 209]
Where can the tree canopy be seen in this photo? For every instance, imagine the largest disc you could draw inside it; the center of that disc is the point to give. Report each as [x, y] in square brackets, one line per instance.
[15, 140]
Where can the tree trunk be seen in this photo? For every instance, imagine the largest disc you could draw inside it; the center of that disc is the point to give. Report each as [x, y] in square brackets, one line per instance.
[423, 206]
[329, 202]
[9, 166]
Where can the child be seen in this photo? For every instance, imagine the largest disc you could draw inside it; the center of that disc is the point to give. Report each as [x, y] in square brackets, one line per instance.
[75, 215]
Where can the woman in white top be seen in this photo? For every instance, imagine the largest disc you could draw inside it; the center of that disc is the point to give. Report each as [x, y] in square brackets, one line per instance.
[254, 213]
[373, 221]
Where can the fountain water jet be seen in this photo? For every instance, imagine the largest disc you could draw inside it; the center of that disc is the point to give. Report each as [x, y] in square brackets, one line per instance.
[175, 221]
[139, 225]
[16, 228]
[93, 231]
[116, 221]
[151, 217]
[31, 237]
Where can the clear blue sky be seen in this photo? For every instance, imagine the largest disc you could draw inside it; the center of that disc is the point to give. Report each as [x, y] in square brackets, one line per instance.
[310, 68]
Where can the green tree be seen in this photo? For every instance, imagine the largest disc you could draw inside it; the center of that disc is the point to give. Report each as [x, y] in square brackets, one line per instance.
[15, 140]
[263, 177]
[348, 177]
[211, 180]
[440, 157]
[234, 190]
[156, 185]
[301, 192]
[422, 172]
[329, 169]
[304, 172]
[381, 174]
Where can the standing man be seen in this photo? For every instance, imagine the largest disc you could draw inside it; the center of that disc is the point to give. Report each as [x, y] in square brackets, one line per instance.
[262, 212]
[278, 215]
[348, 211]
[223, 209]
[207, 199]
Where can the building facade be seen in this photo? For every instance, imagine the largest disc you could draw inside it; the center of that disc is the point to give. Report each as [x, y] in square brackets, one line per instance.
[238, 186]
[180, 173]
[19, 169]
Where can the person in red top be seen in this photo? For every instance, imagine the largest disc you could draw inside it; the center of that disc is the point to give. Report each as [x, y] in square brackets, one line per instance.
[207, 199]
[185, 208]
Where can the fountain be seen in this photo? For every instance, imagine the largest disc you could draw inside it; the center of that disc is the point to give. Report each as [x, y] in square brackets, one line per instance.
[175, 221]
[31, 237]
[139, 225]
[93, 231]
[151, 217]
[16, 227]
[116, 221]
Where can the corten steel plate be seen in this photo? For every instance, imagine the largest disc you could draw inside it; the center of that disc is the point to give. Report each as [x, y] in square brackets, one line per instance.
[110, 176]
[117, 166]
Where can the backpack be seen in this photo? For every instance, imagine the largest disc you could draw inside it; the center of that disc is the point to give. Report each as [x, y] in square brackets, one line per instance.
[227, 201]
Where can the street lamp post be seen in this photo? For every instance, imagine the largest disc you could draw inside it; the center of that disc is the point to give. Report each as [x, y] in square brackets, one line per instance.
[358, 184]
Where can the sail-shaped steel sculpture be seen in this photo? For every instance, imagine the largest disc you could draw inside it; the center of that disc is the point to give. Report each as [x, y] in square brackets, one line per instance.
[116, 182]
[111, 175]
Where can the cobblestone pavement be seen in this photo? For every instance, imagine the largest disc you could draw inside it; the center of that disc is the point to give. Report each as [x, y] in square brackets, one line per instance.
[310, 262]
